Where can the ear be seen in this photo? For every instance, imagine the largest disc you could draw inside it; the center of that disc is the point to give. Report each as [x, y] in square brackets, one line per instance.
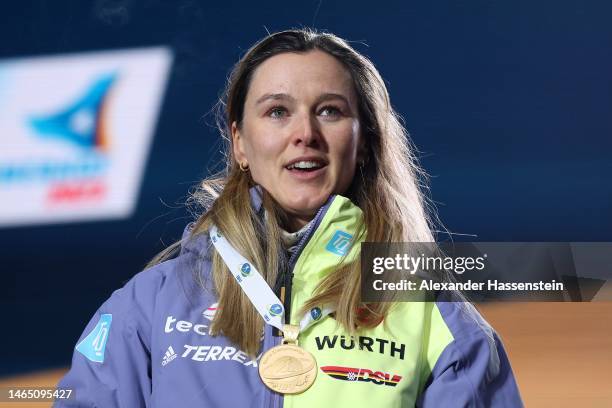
[237, 144]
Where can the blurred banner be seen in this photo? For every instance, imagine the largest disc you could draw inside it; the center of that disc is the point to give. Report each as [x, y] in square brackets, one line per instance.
[75, 133]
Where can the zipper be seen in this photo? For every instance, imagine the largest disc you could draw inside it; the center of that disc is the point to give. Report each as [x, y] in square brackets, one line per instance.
[315, 224]
[276, 399]
[294, 257]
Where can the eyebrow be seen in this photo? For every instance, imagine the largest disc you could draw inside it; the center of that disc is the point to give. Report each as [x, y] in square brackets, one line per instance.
[328, 96]
[275, 97]
[284, 96]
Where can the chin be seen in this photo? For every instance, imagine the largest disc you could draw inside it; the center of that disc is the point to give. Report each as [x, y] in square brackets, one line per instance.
[306, 205]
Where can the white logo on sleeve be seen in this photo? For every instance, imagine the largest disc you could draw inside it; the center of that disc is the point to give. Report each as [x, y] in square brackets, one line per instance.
[169, 356]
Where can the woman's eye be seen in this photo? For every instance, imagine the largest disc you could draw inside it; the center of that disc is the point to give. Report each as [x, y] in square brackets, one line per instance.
[330, 111]
[277, 112]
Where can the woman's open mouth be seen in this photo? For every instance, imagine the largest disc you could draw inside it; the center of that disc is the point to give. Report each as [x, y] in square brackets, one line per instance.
[306, 169]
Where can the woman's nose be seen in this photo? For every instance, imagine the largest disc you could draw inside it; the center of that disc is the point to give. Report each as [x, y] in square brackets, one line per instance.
[306, 130]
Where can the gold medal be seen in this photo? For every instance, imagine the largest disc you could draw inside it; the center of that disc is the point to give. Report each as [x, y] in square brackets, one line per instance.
[288, 368]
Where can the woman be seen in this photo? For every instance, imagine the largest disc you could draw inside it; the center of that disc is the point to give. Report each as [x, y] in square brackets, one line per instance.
[317, 163]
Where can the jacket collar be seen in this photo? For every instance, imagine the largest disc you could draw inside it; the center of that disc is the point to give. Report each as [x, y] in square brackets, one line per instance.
[342, 207]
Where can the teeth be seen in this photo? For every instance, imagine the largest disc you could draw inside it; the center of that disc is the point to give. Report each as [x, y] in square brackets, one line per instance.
[304, 165]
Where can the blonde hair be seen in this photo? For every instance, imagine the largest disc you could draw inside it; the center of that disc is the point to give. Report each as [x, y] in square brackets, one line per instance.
[389, 189]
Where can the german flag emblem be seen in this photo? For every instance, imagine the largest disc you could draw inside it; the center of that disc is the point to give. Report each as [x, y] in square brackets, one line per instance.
[362, 374]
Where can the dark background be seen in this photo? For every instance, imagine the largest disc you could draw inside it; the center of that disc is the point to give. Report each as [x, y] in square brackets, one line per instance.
[508, 102]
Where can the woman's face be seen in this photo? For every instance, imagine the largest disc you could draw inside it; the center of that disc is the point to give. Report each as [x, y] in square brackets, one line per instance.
[300, 131]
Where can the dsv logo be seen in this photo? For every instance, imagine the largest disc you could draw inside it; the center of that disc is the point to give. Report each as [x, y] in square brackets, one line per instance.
[361, 374]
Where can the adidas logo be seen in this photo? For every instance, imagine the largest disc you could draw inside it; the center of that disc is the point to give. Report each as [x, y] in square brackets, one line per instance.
[169, 356]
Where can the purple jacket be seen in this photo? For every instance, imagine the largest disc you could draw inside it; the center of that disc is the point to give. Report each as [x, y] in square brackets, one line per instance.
[148, 346]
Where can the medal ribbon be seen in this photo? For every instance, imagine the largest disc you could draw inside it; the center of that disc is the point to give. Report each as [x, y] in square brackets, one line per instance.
[256, 288]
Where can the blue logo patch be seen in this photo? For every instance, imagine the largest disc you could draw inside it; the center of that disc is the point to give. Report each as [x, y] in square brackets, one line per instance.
[94, 344]
[275, 309]
[245, 269]
[340, 243]
[315, 313]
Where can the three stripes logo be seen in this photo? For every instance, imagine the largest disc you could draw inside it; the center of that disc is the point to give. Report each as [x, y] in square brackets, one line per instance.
[169, 356]
[362, 375]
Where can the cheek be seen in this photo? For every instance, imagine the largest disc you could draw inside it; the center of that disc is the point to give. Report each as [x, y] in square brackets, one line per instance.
[266, 151]
[256, 144]
[344, 144]
[262, 152]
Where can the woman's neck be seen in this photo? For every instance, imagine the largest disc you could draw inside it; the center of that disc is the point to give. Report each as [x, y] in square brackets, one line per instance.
[291, 239]
[294, 224]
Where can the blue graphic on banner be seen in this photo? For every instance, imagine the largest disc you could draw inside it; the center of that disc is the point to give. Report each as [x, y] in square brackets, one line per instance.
[245, 269]
[94, 344]
[340, 243]
[275, 309]
[81, 123]
[87, 166]
[315, 313]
